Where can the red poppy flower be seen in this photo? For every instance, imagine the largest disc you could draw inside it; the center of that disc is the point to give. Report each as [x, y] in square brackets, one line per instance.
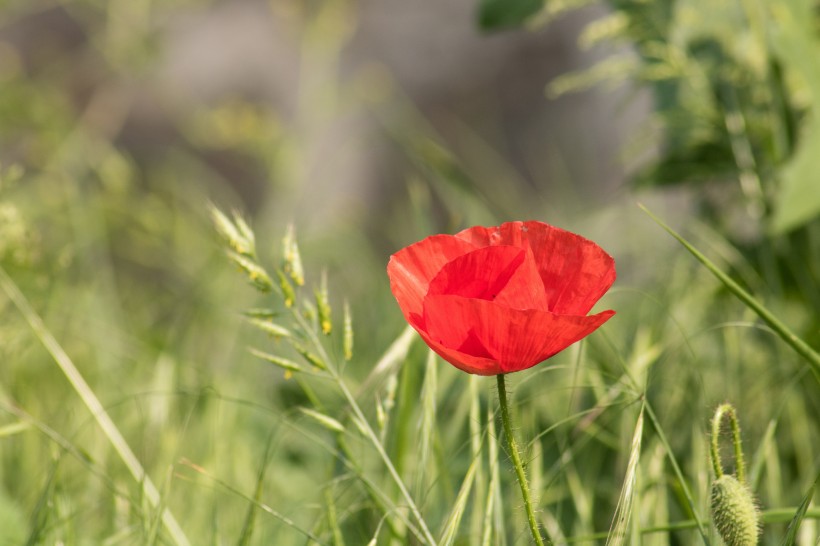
[501, 299]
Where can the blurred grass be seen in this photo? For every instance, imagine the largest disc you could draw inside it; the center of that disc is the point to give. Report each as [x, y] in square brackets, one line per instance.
[116, 252]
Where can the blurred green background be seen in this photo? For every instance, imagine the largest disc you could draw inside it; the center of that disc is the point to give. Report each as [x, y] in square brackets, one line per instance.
[369, 125]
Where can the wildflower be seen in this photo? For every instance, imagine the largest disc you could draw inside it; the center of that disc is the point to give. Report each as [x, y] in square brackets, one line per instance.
[494, 300]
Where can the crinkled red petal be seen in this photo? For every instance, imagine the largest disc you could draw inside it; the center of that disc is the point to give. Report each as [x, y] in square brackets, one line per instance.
[469, 363]
[575, 271]
[515, 339]
[507, 275]
[412, 268]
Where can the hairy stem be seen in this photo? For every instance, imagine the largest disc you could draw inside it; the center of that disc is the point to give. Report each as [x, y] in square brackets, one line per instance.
[516, 459]
[740, 466]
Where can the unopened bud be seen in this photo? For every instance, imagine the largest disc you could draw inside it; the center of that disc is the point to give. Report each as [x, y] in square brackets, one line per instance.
[734, 512]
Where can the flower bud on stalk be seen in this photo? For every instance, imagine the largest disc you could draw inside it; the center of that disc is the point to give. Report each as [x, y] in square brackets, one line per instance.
[733, 507]
[734, 512]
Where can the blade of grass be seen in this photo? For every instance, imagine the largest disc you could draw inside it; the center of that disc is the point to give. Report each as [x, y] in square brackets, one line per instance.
[94, 406]
[491, 504]
[391, 358]
[14, 428]
[778, 515]
[332, 518]
[620, 523]
[39, 518]
[250, 518]
[454, 519]
[678, 473]
[476, 446]
[260, 505]
[156, 518]
[367, 429]
[801, 347]
[428, 421]
[794, 525]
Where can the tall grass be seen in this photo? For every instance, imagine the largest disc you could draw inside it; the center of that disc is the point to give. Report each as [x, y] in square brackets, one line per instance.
[162, 385]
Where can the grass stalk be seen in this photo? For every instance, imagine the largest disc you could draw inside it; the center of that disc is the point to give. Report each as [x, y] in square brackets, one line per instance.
[94, 406]
[366, 428]
[801, 347]
[678, 472]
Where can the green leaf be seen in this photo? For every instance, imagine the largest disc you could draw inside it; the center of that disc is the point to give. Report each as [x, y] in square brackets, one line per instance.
[497, 14]
[794, 525]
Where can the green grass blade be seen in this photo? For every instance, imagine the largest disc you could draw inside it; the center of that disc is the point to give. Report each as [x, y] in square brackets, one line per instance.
[794, 525]
[259, 505]
[491, 503]
[454, 519]
[392, 357]
[620, 523]
[39, 517]
[800, 346]
[678, 473]
[94, 406]
[250, 517]
[367, 430]
[428, 421]
[332, 518]
[476, 449]
[14, 428]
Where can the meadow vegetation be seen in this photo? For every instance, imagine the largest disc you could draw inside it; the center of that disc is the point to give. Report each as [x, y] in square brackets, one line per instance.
[174, 372]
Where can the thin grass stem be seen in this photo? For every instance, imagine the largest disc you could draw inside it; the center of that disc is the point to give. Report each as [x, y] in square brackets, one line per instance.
[801, 347]
[678, 472]
[366, 428]
[94, 406]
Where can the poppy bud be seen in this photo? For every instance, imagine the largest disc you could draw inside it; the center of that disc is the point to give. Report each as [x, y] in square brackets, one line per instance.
[734, 512]
[733, 507]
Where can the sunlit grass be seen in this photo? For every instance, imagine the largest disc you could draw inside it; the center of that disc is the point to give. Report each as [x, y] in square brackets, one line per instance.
[151, 392]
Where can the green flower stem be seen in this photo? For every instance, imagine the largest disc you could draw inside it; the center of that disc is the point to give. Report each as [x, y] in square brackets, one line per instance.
[516, 458]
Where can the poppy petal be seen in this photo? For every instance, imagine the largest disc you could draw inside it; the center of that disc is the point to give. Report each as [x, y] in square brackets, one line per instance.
[575, 271]
[412, 268]
[515, 339]
[479, 365]
[504, 274]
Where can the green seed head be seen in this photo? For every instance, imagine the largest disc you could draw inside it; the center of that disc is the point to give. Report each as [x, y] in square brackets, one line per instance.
[734, 512]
